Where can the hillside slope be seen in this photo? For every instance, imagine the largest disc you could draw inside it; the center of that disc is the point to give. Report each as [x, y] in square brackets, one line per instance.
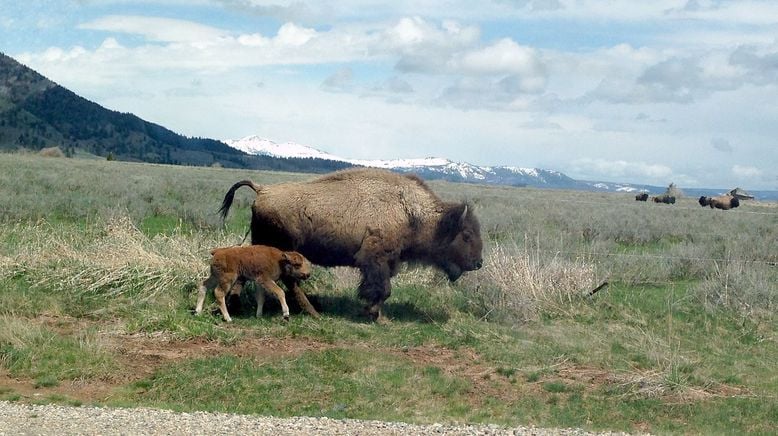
[36, 113]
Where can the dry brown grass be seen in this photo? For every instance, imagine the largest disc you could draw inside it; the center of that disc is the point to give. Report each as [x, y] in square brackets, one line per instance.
[112, 259]
[518, 283]
[51, 152]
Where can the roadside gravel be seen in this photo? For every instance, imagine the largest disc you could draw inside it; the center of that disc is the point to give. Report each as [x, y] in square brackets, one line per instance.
[27, 419]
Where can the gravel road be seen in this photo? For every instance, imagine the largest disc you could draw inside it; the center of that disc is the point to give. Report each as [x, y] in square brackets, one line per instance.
[26, 419]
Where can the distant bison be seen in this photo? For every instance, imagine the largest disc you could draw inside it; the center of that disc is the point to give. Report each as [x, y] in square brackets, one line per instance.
[723, 202]
[667, 199]
[366, 218]
[641, 197]
[231, 267]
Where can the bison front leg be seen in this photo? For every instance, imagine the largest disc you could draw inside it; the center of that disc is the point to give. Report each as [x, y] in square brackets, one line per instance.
[375, 290]
[375, 286]
[378, 263]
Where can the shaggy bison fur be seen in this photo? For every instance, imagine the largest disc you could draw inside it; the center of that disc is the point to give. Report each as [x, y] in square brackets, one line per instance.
[641, 197]
[723, 202]
[231, 267]
[366, 218]
[667, 199]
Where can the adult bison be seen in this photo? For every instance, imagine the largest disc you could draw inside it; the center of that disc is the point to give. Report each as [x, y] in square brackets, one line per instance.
[723, 202]
[641, 197]
[366, 218]
[664, 198]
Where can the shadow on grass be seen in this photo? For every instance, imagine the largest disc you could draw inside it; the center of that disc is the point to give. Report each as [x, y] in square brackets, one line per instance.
[340, 306]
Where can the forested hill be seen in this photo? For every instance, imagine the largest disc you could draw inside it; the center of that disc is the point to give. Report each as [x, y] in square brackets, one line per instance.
[36, 113]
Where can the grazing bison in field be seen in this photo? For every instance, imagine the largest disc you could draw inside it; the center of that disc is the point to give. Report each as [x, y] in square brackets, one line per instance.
[231, 267]
[667, 199]
[723, 202]
[370, 219]
[641, 197]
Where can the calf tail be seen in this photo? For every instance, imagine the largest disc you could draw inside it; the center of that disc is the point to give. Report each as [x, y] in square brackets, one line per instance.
[231, 196]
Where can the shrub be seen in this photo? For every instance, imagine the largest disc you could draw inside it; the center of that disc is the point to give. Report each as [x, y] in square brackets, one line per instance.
[519, 284]
[51, 152]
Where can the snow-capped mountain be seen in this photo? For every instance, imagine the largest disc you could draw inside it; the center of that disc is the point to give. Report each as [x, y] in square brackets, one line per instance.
[428, 168]
[441, 168]
[261, 146]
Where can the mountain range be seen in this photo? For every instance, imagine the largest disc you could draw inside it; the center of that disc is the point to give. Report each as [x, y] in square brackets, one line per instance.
[428, 168]
[36, 113]
[432, 168]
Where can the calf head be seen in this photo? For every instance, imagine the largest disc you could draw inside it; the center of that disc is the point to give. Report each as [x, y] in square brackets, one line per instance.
[459, 237]
[295, 265]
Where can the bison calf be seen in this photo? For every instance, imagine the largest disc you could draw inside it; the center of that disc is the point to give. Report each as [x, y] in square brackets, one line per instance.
[231, 267]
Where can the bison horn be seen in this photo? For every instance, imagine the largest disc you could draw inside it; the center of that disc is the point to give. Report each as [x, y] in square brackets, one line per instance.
[462, 218]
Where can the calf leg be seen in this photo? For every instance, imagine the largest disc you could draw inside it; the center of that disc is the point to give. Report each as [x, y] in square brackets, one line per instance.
[222, 291]
[294, 286]
[259, 296]
[206, 284]
[270, 286]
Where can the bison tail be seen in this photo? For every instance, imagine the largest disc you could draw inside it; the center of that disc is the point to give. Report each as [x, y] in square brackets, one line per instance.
[230, 196]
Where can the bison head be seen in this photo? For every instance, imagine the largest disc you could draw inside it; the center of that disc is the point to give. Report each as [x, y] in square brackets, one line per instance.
[704, 201]
[459, 238]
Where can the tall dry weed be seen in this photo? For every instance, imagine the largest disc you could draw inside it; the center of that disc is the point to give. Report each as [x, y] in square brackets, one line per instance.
[518, 283]
[110, 259]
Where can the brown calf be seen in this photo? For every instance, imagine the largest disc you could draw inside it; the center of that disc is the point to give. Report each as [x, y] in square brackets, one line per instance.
[231, 267]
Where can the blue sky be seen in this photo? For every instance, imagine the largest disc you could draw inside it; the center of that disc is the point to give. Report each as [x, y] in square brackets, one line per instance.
[645, 92]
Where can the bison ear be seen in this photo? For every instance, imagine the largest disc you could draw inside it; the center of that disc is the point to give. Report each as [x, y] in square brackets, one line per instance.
[452, 222]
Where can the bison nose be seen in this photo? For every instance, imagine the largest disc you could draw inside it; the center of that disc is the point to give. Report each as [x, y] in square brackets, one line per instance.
[479, 264]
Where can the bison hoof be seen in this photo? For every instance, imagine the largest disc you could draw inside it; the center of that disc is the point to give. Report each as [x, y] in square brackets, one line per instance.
[375, 314]
[285, 319]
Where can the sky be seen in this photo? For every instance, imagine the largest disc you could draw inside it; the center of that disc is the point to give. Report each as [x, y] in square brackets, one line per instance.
[652, 92]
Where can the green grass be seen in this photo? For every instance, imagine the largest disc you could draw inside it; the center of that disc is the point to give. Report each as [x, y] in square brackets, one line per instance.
[30, 350]
[335, 383]
[682, 340]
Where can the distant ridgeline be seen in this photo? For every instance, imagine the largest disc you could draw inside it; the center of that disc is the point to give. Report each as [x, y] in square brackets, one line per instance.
[36, 113]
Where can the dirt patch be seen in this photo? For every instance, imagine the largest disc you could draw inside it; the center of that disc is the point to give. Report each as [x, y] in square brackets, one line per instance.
[138, 356]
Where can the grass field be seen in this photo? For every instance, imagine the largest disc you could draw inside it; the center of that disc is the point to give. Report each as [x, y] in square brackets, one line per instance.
[99, 263]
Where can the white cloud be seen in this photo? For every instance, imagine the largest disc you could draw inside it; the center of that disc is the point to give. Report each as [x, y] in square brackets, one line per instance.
[341, 80]
[747, 172]
[620, 103]
[503, 57]
[621, 169]
[156, 29]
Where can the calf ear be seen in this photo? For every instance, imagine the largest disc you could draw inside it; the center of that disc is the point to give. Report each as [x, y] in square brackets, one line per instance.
[285, 257]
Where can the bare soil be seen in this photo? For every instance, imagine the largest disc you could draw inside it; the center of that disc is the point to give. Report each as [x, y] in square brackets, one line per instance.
[140, 355]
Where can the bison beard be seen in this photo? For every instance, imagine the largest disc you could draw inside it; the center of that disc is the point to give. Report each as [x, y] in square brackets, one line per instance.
[366, 218]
